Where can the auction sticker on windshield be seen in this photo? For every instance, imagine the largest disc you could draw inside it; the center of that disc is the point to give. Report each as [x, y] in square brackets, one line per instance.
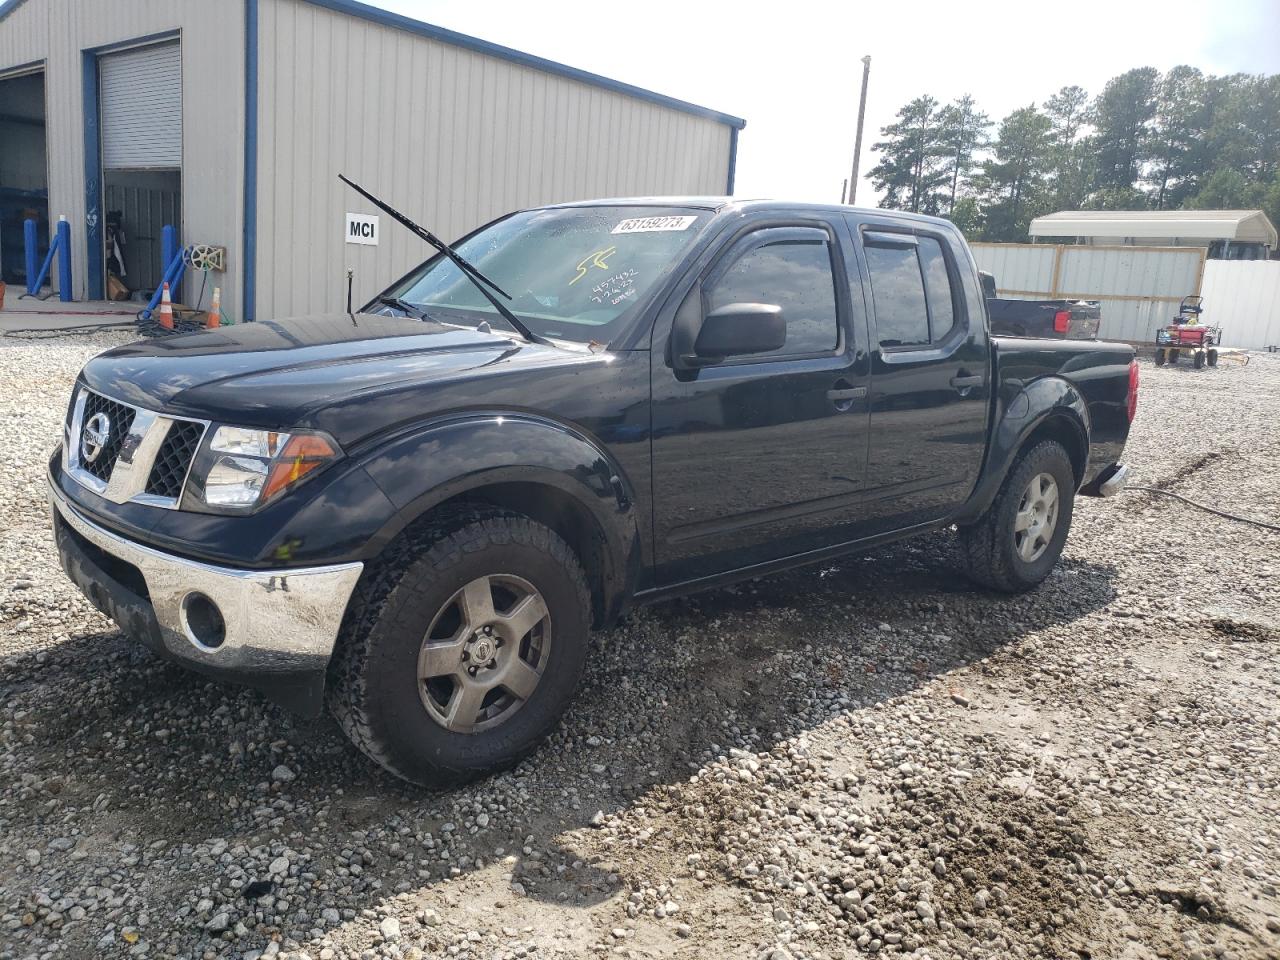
[653, 224]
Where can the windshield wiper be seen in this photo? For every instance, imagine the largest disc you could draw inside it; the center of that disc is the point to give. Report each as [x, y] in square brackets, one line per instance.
[483, 283]
[412, 309]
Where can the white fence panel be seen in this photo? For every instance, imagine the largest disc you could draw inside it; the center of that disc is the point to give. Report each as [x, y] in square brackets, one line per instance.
[1139, 287]
[1243, 297]
[1018, 267]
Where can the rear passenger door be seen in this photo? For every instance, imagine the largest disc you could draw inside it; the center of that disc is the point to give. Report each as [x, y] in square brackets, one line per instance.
[930, 366]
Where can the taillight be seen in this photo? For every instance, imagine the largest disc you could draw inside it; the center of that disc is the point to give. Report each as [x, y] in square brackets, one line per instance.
[1061, 321]
[1131, 402]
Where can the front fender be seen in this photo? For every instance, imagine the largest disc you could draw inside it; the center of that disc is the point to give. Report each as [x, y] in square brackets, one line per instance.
[419, 470]
[1037, 403]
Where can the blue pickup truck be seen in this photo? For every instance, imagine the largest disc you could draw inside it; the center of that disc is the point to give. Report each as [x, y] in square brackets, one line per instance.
[418, 511]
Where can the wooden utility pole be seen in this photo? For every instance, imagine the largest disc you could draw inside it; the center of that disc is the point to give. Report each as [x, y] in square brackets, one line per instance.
[857, 143]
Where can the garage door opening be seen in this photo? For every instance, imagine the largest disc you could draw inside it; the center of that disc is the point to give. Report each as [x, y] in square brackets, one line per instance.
[140, 92]
[24, 173]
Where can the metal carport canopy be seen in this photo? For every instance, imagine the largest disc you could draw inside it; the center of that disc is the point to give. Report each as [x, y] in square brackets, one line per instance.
[1250, 225]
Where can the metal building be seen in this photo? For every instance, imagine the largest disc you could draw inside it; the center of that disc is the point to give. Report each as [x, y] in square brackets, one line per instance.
[232, 120]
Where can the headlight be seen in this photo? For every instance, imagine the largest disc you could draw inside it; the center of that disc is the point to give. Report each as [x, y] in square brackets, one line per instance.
[235, 482]
[248, 467]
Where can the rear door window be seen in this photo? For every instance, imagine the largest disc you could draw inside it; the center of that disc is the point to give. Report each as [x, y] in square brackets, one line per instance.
[897, 287]
[911, 289]
[937, 289]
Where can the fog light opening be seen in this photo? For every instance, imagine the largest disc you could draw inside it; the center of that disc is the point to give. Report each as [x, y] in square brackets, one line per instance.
[203, 620]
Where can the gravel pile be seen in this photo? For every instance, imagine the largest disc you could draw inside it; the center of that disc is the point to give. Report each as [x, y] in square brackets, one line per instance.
[871, 758]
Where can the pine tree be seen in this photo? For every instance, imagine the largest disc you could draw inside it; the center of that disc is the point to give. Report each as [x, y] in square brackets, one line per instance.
[1184, 139]
[964, 132]
[909, 171]
[1121, 118]
[1072, 164]
[1179, 125]
[1014, 180]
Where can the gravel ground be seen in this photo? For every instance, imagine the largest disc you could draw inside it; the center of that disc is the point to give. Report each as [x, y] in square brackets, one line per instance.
[869, 758]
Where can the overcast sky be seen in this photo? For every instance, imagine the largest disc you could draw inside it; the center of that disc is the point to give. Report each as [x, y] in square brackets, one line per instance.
[792, 69]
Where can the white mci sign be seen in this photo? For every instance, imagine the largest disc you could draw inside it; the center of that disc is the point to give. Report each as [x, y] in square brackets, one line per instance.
[362, 229]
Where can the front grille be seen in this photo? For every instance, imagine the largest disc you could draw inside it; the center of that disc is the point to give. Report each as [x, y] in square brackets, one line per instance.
[120, 418]
[172, 462]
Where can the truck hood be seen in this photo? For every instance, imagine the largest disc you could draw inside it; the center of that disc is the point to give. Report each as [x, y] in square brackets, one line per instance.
[284, 373]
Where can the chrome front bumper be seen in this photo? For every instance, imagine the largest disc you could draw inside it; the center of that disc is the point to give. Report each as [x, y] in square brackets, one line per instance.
[277, 624]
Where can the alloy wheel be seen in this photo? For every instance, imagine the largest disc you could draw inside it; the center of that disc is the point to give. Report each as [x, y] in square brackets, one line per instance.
[484, 653]
[1037, 517]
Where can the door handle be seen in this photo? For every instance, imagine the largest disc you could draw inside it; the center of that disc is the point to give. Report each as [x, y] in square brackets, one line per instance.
[839, 394]
[964, 381]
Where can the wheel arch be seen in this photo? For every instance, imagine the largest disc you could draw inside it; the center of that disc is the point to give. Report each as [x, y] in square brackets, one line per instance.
[1050, 408]
[541, 469]
[1068, 432]
[566, 514]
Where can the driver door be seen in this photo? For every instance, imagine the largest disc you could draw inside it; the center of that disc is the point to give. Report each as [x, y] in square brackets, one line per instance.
[760, 457]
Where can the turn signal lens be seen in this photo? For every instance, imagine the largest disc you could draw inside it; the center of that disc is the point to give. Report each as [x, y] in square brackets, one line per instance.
[301, 454]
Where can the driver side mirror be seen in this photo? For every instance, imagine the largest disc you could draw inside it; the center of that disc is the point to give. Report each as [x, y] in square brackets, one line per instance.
[740, 328]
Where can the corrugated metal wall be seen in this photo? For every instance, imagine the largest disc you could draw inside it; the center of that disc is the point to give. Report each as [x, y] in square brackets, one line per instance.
[1139, 287]
[56, 31]
[450, 136]
[1243, 297]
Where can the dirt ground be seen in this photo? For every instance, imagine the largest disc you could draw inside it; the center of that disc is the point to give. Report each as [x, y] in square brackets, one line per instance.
[873, 757]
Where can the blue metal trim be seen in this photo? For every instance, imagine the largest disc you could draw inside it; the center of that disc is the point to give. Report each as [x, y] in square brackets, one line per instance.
[365, 12]
[95, 281]
[249, 254]
[9, 6]
[733, 161]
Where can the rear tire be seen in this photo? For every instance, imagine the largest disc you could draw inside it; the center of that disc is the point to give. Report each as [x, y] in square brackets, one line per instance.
[1213, 358]
[439, 725]
[1015, 544]
[1198, 359]
[1173, 358]
[1160, 357]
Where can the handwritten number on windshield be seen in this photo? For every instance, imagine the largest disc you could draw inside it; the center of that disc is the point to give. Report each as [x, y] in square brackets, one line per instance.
[597, 259]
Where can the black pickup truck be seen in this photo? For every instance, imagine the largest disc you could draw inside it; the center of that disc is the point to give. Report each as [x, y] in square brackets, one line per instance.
[1065, 319]
[418, 513]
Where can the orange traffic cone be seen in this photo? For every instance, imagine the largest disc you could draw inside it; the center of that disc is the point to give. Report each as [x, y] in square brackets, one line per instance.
[214, 320]
[166, 309]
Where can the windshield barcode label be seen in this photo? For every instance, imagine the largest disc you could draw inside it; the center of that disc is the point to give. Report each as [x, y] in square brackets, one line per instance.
[651, 224]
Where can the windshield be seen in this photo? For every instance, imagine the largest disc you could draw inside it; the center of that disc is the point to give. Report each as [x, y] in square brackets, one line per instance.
[574, 273]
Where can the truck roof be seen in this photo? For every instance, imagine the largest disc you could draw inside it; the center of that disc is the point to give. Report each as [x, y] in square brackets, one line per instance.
[722, 203]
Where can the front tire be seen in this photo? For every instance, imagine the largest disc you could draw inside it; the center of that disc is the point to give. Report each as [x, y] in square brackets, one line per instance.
[462, 648]
[1015, 544]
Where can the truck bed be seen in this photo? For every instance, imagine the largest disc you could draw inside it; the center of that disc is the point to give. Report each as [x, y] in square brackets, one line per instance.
[1035, 318]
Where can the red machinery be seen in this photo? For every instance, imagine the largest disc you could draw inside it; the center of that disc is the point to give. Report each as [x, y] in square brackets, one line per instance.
[1186, 334]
